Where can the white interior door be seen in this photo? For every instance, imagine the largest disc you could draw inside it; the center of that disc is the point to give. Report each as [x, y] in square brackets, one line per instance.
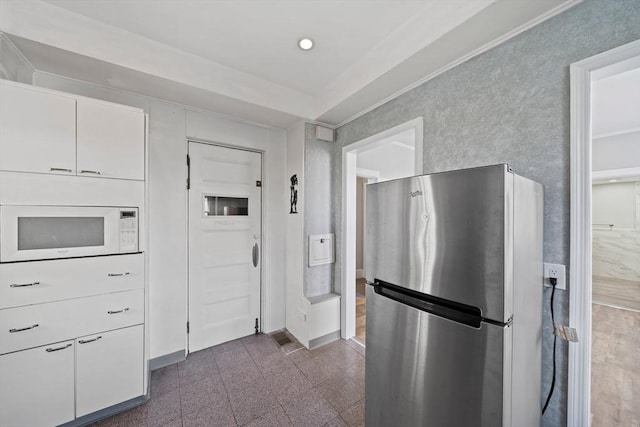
[225, 212]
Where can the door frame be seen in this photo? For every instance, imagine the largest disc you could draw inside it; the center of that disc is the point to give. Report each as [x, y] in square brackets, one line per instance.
[348, 229]
[582, 74]
[262, 215]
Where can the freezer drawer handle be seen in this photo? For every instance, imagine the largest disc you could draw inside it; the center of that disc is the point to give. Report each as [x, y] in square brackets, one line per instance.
[461, 313]
[118, 274]
[22, 285]
[99, 337]
[11, 331]
[50, 349]
[118, 311]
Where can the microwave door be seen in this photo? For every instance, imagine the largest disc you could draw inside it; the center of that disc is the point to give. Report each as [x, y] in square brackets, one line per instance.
[49, 232]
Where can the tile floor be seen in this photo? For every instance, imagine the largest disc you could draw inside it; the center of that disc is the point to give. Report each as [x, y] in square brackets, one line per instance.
[251, 381]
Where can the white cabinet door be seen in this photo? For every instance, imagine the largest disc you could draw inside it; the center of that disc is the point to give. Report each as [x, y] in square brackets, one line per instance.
[37, 130]
[109, 369]
[110, 141]
[37, 387]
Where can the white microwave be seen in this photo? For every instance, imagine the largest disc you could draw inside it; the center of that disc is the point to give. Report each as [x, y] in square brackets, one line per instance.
[29, 233]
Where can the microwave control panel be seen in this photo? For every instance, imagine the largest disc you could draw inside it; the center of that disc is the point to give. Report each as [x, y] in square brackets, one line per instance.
[128, 230]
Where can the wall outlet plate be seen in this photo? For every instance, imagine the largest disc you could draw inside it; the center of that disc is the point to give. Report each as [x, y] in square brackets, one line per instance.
[556, 271]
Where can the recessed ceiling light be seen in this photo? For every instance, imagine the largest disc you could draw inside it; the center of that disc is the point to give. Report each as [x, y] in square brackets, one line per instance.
[305, 43]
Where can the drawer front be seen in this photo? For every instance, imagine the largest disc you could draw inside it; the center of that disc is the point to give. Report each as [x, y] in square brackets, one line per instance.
[35, 325]
[37, 386]
[36, 282]
[109, 369]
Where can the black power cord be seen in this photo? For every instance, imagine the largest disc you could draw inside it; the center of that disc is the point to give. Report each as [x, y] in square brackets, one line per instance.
[553, 282]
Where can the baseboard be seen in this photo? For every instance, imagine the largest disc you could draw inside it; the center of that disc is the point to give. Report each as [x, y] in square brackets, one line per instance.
[166, 360]
[360, 274]
[107, 412]
[325, 339]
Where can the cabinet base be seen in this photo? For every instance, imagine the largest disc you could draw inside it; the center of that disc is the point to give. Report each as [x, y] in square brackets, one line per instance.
[107, 412]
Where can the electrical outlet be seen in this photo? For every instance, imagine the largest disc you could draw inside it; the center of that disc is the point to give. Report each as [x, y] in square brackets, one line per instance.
[556, 271]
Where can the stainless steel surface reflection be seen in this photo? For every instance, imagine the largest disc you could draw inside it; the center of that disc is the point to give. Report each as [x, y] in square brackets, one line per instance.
[454, 306]
[443, 235]
[430, 371]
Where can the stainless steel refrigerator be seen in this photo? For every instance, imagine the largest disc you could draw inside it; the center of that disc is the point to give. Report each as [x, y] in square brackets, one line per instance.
[454, 303]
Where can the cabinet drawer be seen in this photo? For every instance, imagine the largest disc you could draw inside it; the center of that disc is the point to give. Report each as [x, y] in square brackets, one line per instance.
[109, 369]
[35, 325]
[37, 282]
[37, 386]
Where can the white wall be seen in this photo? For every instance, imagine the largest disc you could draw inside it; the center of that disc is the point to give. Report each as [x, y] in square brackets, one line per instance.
[13, 65]
[616, 251]
[170, 126]
[615, 204]
[615, 102]
[391, 160]
[296, 301]
[616, 152]
[361, 183]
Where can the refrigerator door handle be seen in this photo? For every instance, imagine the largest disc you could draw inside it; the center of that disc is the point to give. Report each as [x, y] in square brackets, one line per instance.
[460, 313]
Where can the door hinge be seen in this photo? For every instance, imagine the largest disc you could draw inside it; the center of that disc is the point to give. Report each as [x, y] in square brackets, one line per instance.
[187, 327]
[257, 327]
[258, 183]
[188, 172]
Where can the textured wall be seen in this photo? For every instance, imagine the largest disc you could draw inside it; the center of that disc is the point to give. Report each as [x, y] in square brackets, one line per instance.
[511, 105]
[319, 212]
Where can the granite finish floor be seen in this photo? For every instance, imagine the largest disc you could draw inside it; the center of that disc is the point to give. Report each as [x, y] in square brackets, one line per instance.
[251, 381]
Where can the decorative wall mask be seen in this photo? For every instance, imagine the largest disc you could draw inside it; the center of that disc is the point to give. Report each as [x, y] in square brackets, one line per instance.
[294, 195]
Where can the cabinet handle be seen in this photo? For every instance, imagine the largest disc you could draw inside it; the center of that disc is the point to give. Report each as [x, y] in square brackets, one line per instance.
[88, 341]
[118, 274]
[11, 331]
[118, 311]
[93, 172]
[22, 285]
[60, 170]
[50, 349]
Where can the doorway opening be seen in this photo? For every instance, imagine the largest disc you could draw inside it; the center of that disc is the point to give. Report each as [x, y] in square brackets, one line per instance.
[615, 146]
[394, 153]
[593, 154]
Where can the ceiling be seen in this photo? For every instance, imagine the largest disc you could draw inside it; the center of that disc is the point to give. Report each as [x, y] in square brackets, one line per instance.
[239, 57]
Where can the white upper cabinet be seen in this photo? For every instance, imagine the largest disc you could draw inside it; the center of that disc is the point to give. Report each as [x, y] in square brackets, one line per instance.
[37, 130]
[45, 131]
[110, 141]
